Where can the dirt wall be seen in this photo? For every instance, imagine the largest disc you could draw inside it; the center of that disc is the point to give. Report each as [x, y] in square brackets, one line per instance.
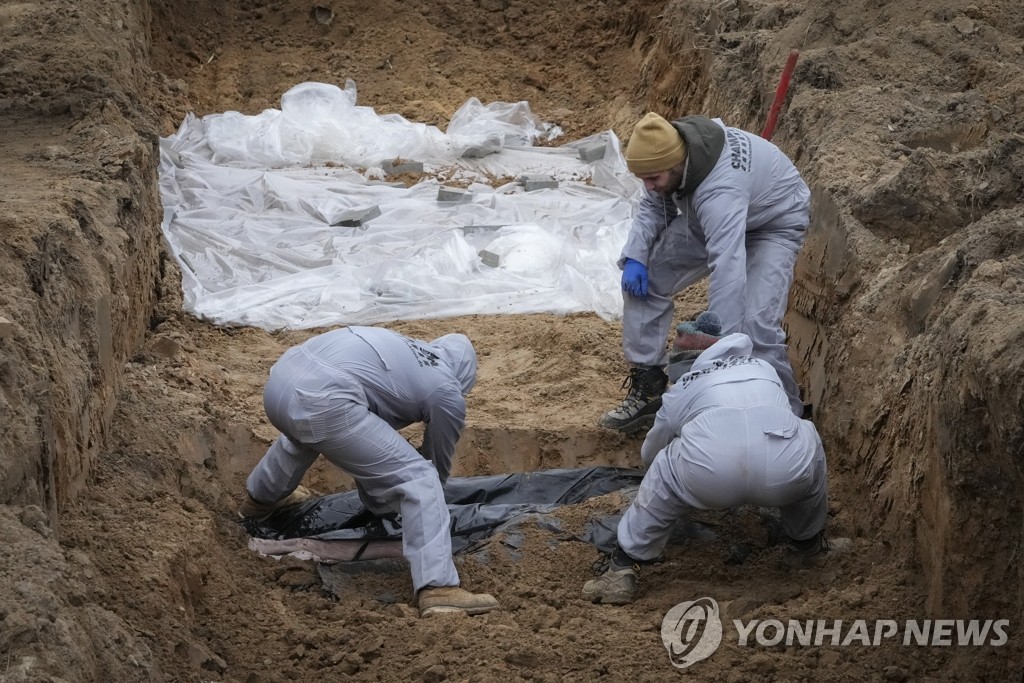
[80, 269]
[80, 256]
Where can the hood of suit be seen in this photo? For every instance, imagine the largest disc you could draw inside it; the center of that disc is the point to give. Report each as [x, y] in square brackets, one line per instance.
[458, 354]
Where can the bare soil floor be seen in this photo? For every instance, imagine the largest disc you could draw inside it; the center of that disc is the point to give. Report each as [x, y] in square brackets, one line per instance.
[907, 319]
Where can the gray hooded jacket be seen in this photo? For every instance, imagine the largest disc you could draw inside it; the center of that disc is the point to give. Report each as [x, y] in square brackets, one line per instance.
[405, 380]
[725, 375]
[736, 186]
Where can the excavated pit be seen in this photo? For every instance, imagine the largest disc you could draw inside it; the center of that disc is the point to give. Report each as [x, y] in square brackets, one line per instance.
[129, 426]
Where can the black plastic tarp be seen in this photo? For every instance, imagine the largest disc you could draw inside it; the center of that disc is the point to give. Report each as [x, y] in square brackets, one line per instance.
[477, 505]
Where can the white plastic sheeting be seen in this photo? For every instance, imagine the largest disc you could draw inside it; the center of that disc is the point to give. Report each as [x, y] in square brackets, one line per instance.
[253, 207]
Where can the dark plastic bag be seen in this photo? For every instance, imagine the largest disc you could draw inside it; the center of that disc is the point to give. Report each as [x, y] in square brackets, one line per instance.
[477, 506]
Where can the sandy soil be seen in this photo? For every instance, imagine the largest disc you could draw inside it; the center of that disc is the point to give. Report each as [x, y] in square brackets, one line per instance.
[129, 426]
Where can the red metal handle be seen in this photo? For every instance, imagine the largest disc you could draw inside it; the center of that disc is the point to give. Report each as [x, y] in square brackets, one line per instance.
[780, 95]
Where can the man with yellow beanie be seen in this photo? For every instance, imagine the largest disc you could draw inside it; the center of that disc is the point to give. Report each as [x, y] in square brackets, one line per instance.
[718, 201]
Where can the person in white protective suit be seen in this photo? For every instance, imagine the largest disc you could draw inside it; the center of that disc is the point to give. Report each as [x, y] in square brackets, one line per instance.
[725, 436]
[344, 394]
[718, 201]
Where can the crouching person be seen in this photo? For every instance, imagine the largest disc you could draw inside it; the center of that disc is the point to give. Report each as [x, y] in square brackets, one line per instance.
[725, 436]
[344, 394]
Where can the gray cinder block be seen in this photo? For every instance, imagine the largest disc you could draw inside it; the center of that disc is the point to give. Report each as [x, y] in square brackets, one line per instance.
[357, 217]
[592, 151]
[6, 328]
[489, 146]
[489, 258]
[476, 229]
[390, 167]
[538, 182]
[452, 194]
[477, 152]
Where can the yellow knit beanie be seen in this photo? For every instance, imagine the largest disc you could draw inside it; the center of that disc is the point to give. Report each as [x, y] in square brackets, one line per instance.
[654, 146]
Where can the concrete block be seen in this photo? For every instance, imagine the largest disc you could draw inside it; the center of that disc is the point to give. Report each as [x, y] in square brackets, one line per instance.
[477, 229]
[6, 328]
[478, 152]
[538, 182]
[489, 258]
[396, 166]
[592, 151]
[491, 145]
[456, 195]
[355, 218]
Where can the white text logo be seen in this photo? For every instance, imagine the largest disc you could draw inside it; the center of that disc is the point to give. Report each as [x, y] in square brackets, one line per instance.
[934, 632]
[692, 631]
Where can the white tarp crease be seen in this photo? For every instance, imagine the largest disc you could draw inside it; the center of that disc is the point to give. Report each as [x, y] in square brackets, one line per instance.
[258, 212]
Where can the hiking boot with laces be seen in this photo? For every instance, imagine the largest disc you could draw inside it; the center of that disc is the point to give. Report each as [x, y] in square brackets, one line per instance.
[645, 387]
[253, 509]
[814, 551]
[441, 599]
[616, 586]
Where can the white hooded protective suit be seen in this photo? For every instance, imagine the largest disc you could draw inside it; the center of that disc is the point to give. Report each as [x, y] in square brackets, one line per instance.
[739, 215]
[725, 436]
[344, 394]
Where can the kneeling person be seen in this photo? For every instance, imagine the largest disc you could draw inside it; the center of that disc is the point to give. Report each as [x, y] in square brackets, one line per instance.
[725, 436]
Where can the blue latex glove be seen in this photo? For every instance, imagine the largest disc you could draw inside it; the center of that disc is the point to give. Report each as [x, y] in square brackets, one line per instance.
[634, 278]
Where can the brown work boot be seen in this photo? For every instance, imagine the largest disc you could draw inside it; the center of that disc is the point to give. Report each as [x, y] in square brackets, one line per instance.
[436, 600]
[254, 509]
[617, 586]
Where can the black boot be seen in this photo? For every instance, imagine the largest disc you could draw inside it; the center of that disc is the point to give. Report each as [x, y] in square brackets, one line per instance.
[637, 410]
